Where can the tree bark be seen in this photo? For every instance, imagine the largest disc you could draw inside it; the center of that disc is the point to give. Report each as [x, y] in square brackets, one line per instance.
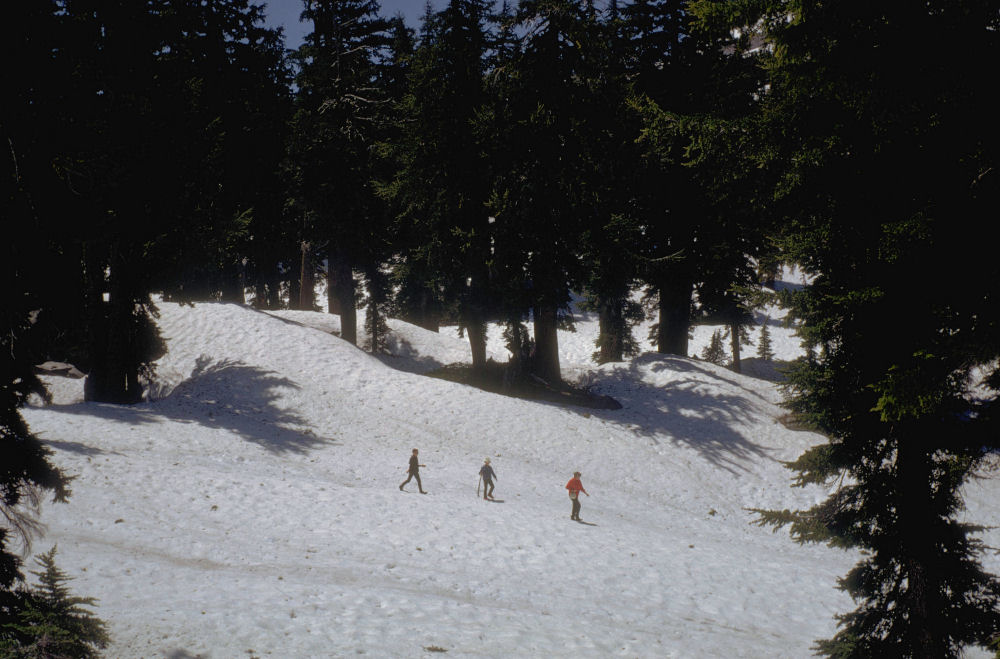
[917, 524]
[734, 342]
[112, 327]
[428, 316]
[475, 327]
[307, 279]
[342, 293]
[234, 284]
[611, 339]
[546, 362]
[95, 387]
[675, 314]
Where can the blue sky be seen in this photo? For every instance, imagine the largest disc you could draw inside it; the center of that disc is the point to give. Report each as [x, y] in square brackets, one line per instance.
[286, 14]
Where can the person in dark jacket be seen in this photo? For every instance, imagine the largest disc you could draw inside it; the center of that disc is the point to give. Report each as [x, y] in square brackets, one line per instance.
[414, 472]
[488, 476]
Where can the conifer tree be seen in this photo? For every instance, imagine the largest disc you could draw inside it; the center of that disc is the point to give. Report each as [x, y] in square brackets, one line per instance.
[225, 82]
[441, 187]
[715, 352]
[878, 176]
[151, 101]
[539, 191]
[765, 348]
[53, 622]
[694, 87]
[614, 238]
[26, 474]
[334, 132]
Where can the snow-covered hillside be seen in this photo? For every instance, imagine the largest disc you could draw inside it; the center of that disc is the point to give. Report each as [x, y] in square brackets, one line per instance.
[251, 508]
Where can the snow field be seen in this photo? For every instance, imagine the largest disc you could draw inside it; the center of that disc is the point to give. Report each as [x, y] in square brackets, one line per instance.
[252, 509]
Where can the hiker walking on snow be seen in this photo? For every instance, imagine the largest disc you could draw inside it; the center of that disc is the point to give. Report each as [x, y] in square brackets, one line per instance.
[488, 475]
[414, 472]
[575, 487]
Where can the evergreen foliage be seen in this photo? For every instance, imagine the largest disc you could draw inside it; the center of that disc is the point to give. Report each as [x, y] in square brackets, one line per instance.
[440, 187]
[876, 176]
[695, 87]
[332, 147]
[765, 349]
[543, 101]
[715, 352]
[614, 245]
[53, 622]
[25, 471]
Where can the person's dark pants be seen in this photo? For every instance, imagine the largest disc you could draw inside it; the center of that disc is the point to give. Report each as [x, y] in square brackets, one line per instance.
[413, 474]
[576, 508]
[488, 489]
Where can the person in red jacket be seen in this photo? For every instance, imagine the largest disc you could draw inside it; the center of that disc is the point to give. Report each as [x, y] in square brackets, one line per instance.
[575, 487]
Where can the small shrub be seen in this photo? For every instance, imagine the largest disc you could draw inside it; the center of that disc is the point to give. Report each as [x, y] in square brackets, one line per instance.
[715, 352]
[52, 622]
[765, 349]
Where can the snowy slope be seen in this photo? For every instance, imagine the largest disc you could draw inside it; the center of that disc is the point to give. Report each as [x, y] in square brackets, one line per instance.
[252, 509]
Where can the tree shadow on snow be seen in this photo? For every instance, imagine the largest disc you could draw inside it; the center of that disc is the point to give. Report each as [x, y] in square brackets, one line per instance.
[685, 411]
[73, 447]
[226, 395]
[404, 357]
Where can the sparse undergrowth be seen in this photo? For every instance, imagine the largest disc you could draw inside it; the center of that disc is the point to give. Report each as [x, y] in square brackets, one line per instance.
[497, 379]
[794, 421]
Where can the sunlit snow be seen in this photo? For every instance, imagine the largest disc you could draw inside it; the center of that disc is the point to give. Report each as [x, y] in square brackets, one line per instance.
[251, 507]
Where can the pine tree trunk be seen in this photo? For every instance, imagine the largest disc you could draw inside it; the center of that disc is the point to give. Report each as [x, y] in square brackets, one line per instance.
[349, 321]
[916, 522]
[121, 347]
[373, 327]
[233, 285]
[95, 387]
[342, 294]
[428, 319]
[267, 285]
[294, 284]
[675, 315]
[114, 362]
[517, 340]
[307, 279]
[332, 297]
[546, 362]
[734, 342]
[611, 339]
[475, 326]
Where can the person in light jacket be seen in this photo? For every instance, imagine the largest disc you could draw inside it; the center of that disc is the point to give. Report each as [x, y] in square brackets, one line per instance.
[488, 476]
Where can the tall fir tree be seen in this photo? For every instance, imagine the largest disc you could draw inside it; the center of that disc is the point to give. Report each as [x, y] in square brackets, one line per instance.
[333, 139]
[694, 87]
[229, 90]
[26, 473]
[441, 187]
[883, 153]
[152, 100]
[615, 248]
[539, 191]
